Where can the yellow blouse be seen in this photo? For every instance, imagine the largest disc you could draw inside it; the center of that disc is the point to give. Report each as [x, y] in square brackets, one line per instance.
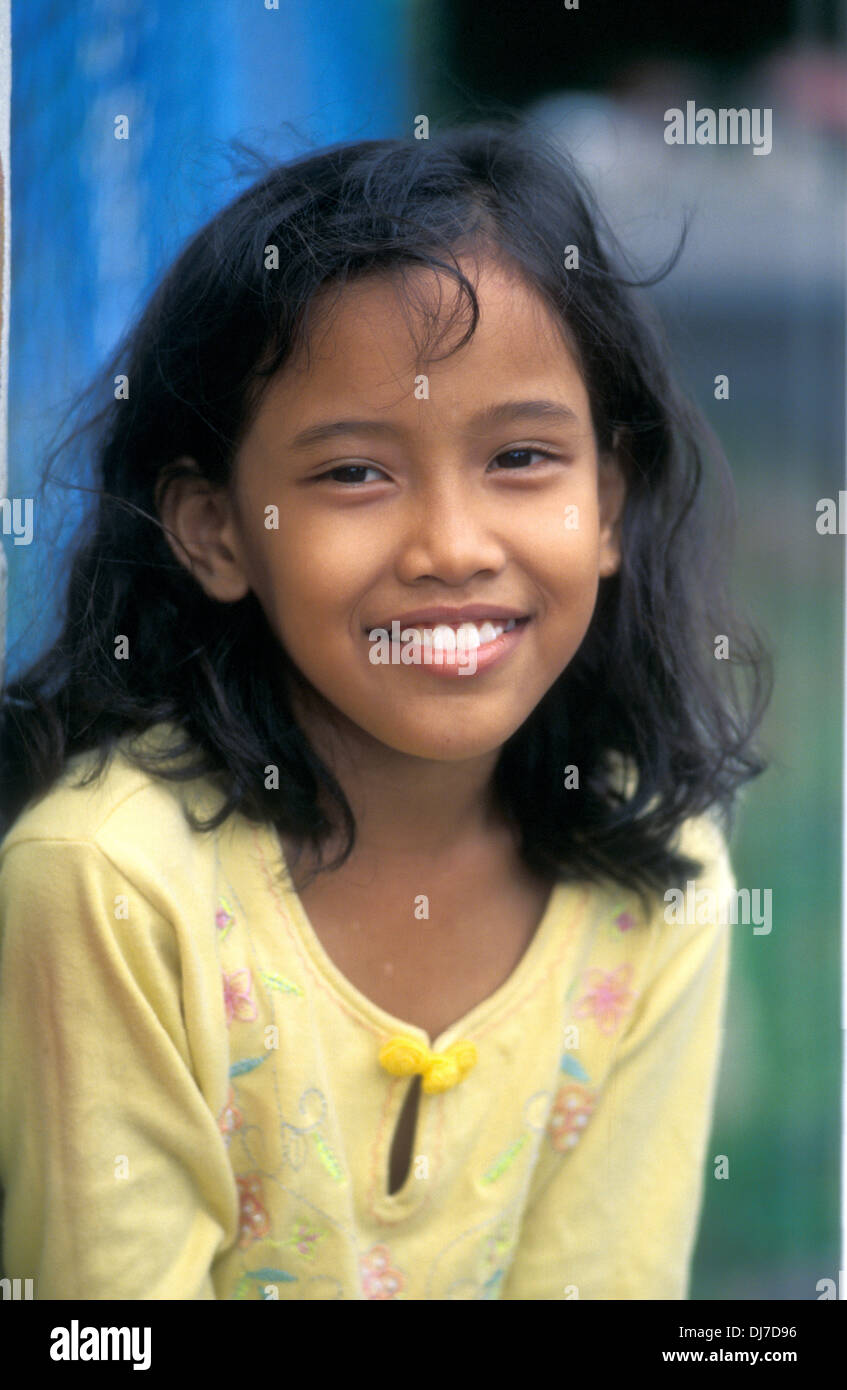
[196, 1104]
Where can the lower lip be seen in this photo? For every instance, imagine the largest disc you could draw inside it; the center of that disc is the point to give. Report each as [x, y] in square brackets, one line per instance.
[449, 666]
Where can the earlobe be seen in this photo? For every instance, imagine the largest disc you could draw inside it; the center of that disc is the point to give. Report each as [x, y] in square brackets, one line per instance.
[200, 530]
[612, 497]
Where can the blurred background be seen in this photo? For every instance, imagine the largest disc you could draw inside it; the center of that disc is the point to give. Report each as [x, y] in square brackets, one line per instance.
[758, 295]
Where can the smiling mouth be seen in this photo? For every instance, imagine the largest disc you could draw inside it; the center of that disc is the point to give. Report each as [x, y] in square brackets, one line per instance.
[448, 636]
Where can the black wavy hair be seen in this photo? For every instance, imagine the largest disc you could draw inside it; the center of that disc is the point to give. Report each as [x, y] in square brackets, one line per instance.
[645, 684]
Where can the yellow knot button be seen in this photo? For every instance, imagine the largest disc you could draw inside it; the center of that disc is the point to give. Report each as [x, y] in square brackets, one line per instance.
[406, 1056]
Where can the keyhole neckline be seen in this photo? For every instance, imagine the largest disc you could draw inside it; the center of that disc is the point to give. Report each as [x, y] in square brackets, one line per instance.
[389, 1024]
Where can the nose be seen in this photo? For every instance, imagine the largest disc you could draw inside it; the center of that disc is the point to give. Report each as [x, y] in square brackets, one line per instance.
[449, 532]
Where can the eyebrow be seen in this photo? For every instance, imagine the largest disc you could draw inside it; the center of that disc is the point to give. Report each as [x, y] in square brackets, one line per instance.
[492, 416]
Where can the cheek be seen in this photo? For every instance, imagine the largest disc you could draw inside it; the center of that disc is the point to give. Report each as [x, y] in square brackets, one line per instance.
[566, 557]
[568, 573]
[565, 526]
[308, 590]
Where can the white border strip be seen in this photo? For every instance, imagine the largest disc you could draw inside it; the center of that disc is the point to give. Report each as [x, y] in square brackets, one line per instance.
[5, 100]
[843, 1262]
[841, 1293]
[842, 28]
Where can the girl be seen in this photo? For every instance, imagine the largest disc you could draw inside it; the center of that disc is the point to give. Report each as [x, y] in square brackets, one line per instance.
[339, 819]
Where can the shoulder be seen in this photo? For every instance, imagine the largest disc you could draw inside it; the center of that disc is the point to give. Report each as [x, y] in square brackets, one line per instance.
[687, 936]
[132, 817]
[702, 838]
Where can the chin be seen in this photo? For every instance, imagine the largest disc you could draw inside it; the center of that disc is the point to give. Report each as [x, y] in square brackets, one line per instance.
[449, 742]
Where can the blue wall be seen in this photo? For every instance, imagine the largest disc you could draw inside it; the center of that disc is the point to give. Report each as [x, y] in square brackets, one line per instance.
[95, 220]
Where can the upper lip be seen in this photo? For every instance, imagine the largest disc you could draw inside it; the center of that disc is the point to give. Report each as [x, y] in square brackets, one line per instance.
[471, 613]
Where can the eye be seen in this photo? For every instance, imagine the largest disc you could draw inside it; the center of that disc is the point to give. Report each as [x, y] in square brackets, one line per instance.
[355, 468]
[523, 456]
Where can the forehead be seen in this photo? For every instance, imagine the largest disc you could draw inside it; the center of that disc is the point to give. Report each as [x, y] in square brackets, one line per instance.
[370, 339]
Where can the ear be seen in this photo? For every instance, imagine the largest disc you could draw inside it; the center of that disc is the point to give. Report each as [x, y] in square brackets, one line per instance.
[201, 530]
[611, 489]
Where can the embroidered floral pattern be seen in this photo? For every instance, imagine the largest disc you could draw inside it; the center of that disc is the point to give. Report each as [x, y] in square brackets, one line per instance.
[238, 987]
[251, 1278]
[571, 1112]
[277, 981]
[230, 1118]
[496, 1246]
[254, 1219]
[304, 1239]
[223, 917]
[608, 999]
[290, 1213]
[504, 1160]
[328, 1158]
[573, 1067]
[379, 1280]
[621, 920]
[247, 1064]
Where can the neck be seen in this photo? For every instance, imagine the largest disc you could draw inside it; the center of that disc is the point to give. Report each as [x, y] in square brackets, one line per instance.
[406, 808]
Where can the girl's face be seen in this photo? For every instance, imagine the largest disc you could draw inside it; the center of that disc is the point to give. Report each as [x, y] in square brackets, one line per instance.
[374, 486]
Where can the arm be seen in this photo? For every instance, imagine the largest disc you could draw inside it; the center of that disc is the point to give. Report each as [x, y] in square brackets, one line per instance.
[617, 1216]
[115, 1174]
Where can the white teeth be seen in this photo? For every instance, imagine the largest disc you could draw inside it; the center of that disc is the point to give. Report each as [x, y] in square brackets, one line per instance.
[443, 639]
[469, 636]
[473, 636]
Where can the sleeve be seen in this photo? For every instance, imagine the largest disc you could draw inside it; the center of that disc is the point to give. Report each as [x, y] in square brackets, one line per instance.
[617, 1216]
[115, 1175]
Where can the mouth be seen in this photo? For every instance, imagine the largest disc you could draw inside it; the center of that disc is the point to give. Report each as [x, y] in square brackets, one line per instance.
[446, 637]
